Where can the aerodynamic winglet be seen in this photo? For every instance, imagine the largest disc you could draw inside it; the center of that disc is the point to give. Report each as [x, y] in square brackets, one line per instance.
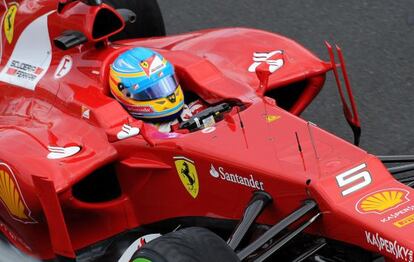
[351, 116]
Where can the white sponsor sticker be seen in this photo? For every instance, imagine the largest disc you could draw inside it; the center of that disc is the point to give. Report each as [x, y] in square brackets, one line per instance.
[393, 248]
[156, 65]
[127, 131]
[62, 152]
[64, 67]
[249, 181]
[273, 59]
[31, 56]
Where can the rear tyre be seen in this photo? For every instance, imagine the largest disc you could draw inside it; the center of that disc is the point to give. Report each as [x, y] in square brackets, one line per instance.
[149, 21]
[189, 244]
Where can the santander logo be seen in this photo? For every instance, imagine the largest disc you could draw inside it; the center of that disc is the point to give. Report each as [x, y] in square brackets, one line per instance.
[249, 181]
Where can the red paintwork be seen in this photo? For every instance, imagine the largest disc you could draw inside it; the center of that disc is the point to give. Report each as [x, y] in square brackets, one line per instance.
[213, 64]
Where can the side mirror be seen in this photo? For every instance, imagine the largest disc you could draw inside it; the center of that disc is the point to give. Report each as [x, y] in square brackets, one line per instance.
[128, 15]
[265, 65]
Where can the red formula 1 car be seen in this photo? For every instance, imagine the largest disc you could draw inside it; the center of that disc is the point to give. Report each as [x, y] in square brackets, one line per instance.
[244, 180]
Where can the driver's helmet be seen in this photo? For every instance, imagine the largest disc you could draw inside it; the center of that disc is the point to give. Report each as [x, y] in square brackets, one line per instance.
[144, 83]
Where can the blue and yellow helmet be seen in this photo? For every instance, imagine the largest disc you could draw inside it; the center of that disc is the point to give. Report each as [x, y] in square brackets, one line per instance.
[144, 83]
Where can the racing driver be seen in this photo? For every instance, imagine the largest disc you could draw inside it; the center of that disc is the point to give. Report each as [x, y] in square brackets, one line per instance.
[144, 82]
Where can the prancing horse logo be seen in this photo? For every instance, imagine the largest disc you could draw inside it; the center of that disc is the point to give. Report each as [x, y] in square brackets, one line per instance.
[9, 22]
[187, 172]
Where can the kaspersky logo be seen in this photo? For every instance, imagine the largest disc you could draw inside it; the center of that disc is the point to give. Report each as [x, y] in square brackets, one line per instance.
[382, 201]
[249, 181]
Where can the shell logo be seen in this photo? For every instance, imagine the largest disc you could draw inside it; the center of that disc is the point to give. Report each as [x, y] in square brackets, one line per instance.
[11, 196]
[381, 201]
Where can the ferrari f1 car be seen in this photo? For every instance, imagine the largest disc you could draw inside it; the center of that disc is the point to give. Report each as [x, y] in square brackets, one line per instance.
[244, 180]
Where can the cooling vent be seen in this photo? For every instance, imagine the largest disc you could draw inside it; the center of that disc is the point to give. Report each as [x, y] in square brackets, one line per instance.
[106, 22]
[100, 186]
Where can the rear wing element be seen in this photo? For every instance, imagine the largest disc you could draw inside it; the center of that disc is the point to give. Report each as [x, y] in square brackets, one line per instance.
[351, 116]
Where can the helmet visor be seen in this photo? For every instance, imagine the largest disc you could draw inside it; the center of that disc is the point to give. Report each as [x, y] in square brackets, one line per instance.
[162, 88]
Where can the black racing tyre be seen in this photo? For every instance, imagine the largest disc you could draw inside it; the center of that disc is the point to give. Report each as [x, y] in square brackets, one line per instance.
[149, 19]
[191, 244]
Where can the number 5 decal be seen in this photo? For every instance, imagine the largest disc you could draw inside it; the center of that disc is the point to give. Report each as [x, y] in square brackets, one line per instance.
[354, 175]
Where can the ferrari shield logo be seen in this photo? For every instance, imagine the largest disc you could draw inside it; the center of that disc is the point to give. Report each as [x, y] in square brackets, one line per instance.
[272, 118]
[9, 22]
[187, 172]
[152, 65]
[144, 64]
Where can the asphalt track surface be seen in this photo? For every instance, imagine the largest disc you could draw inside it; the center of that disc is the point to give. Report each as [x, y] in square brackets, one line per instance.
[377, 38]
